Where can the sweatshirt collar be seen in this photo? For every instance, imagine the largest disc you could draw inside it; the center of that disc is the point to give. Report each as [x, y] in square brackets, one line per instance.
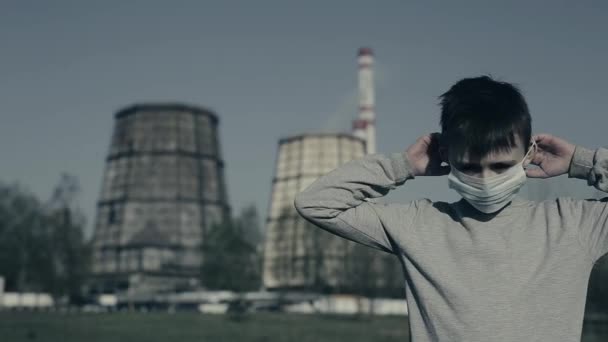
[516, 203]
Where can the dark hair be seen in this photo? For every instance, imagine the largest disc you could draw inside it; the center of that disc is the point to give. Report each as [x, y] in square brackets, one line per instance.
[481, 115]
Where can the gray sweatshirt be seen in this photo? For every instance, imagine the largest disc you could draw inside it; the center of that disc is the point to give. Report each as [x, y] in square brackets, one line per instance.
[517, 275]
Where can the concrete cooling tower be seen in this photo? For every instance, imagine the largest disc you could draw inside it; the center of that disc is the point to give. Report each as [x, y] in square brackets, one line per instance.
[300, 256]
[163, 187]
[292, 257]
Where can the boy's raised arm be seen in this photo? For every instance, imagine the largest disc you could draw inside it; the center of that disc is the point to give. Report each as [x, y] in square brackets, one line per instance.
[591, 215]
[338, 202]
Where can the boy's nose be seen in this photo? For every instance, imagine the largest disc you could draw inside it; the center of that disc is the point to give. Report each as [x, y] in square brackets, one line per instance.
[486, 173]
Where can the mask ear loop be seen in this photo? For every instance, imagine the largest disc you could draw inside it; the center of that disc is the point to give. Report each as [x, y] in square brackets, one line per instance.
[535, 145]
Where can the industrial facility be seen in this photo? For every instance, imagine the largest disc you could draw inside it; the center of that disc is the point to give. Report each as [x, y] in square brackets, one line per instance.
[163, 187]
[365, 125]
[299, 256]
[291, 247]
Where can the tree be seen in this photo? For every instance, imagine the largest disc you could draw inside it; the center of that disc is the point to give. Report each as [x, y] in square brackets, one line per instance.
[70, 254]
[249, 222]
[230, 261]
[23, 237]
[41, 245]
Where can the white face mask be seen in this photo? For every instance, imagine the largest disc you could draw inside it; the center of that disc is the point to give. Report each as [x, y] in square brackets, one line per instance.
[489, 194]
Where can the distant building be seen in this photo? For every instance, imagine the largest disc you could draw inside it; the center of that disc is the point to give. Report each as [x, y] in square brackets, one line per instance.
[163, 187]
[300, 256]
[291, 253]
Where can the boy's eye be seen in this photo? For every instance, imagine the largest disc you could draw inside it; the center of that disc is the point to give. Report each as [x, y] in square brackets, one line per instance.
[471, 168]
[501, 166]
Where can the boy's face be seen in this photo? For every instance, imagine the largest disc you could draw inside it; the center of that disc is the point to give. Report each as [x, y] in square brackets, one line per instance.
[490, 164]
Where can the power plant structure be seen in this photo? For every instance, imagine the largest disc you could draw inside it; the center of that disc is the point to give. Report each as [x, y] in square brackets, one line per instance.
[365, 126]
[163, 188]
[300, 256]
[292, 248]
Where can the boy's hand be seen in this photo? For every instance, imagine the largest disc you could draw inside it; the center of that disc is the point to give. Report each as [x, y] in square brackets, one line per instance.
[424, 156]
[553, 156]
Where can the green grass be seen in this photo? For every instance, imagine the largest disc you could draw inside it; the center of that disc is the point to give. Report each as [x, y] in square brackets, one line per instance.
[184, 327]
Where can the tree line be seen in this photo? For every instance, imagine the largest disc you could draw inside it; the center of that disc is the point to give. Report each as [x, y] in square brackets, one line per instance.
[42, 244]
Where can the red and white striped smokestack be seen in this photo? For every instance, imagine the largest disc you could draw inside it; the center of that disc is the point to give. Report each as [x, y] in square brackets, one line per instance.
[364, 126]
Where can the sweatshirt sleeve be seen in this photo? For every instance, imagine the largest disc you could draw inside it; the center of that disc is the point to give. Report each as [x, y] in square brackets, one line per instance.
[340, 201]
[591, 215]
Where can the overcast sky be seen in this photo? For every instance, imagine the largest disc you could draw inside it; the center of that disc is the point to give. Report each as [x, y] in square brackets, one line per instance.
[271, 69]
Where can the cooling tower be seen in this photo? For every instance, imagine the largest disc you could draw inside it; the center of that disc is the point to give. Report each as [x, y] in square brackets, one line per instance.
[296, 255]
[163, 187]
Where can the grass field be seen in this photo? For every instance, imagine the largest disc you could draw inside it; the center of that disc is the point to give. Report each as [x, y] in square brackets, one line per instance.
[184, 327]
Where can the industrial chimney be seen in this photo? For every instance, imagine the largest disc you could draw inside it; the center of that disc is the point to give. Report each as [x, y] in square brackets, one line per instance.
[364, 126]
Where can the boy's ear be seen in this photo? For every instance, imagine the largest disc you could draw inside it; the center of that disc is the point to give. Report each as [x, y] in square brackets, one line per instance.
[443, 150]
[443, 154]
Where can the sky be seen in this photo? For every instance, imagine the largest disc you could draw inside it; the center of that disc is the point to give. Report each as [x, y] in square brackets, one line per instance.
[271, 69]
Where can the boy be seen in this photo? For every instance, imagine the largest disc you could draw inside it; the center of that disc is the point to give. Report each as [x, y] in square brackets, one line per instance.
[492, 266]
